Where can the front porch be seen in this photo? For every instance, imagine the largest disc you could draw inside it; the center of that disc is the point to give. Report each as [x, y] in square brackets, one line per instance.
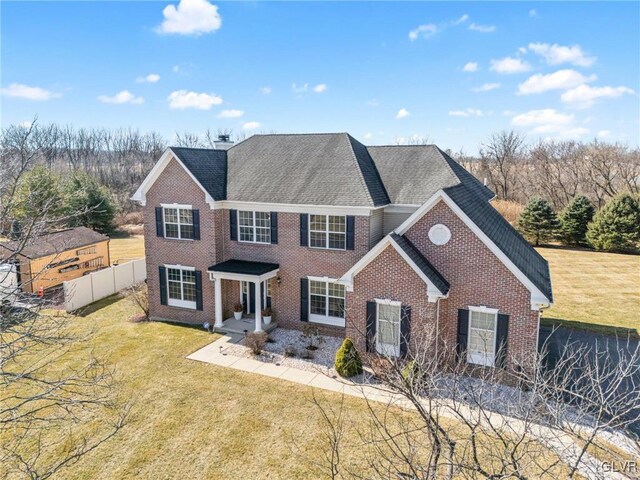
[253, 295]
[245, 325]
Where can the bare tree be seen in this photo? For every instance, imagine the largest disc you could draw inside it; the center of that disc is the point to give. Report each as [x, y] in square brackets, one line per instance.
[43, 404]
[444, 418]
[501, 158]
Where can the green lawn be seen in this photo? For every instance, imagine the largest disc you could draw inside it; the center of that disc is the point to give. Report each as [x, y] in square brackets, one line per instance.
[594, 290]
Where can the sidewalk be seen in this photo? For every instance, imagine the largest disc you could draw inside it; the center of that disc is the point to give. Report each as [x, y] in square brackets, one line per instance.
[214, 353]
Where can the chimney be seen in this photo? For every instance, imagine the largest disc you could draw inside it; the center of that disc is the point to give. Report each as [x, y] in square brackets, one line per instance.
[485, 181]
[223, 143]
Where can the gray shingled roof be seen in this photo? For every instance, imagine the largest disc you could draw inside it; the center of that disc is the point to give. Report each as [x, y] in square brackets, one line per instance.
[413, 173]
[311, 169]
[56, 242]
[514, 246]
[423, 264]
[208, 166]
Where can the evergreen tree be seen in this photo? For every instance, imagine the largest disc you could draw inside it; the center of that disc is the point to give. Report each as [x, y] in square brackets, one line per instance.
[347, 360]
[538, 221]
[616, 227]
[89, 204]
[38, 194]
[575, 219]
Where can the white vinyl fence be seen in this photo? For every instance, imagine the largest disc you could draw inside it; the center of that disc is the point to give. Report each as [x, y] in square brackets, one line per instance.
[91, 288]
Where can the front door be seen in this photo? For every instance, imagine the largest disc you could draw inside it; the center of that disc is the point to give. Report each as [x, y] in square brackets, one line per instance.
[248, 296]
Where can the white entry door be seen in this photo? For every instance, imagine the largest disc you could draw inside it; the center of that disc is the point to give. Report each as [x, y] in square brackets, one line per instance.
[388, 329]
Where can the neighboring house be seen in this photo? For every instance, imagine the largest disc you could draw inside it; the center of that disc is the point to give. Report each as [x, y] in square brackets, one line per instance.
[48, 260]
[355, 239]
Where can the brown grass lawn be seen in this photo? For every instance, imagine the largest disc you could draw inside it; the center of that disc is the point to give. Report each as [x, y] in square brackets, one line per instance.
[126, 248]
[191, 420]
[594, 290]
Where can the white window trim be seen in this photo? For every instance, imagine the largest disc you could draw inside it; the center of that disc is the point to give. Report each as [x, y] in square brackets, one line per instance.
[488, 360]
[178, 207]
[326, 319]
[383, 349]
[326, 231]
[179, 303]
[253, 228]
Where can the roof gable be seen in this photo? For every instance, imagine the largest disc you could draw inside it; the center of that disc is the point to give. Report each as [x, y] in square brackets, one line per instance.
[56, 242]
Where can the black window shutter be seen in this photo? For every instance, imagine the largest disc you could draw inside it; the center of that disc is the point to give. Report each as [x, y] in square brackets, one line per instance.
[370, 339]
[159, 222]
[304, 230]
[405, 329]
[502, 332]
[196, 223]
[233, 224]
[304, 299]
[274, 227]
[351, 227]
[198, 290]
[463, 333]
[163, 285]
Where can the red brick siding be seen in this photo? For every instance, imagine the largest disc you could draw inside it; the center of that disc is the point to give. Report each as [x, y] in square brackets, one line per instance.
[175, 186]
[477, 277]
[388, 277]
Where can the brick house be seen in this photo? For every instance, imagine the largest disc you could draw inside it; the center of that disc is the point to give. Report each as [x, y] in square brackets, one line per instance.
[368, 242]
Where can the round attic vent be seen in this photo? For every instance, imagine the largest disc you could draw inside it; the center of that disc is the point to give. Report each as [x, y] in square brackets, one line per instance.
[439, 234]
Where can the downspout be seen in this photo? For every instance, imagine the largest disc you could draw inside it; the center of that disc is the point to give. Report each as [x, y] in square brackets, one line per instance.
[437, 324]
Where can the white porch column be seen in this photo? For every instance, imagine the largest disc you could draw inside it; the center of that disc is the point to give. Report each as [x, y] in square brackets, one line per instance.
[218, 301]
[258, 305]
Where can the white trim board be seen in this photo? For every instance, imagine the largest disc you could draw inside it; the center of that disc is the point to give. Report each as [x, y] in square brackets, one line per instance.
[141, 193]
[538, 299]
[433, 293]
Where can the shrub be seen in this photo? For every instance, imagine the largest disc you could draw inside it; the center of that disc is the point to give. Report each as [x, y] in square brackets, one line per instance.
[616, 227]
[256, 342]
[347, 361]
[139, 296]
[266, 312]
[306, 355]
[311, 332]
[411, 371]
[290, 351]
[238, 307]
[574, 221]
[381, 367]
[538, 222]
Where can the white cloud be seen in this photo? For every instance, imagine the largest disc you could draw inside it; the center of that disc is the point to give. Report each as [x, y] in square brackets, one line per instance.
[557, 54]
[266, 90]
[322, 87]
[533, 13]
[603, 134]
[18, 90]
[509, 65]
[151, 78]
[469, 112]
[368, 136]
[402, 113]
[424, 31]
[190, 17]
[470, 67]
[482, 28]
[462, 19]
[560, 80]
[549, 122]
[231, 113]
[122, 97]
[251, 125]
[299, 89]
[486, 87]
[584, 96]
[182, 99]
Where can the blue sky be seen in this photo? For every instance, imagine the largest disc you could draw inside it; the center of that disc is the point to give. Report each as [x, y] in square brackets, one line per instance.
[453, 72]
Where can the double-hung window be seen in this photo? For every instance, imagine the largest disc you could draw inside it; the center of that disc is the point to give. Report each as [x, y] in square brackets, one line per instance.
[388, 328]
[328, 231]
[178, 222]
[181, 287]
[482, 336]
[254, 227]
[326, 303]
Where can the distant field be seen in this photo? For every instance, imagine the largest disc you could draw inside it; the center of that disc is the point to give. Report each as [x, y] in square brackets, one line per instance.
[594, 290]
[125, 249]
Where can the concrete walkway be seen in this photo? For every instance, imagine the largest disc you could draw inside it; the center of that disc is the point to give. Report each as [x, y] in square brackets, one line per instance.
[214, 354]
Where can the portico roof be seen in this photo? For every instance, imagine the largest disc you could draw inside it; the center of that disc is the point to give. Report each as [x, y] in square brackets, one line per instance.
[244, 267]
